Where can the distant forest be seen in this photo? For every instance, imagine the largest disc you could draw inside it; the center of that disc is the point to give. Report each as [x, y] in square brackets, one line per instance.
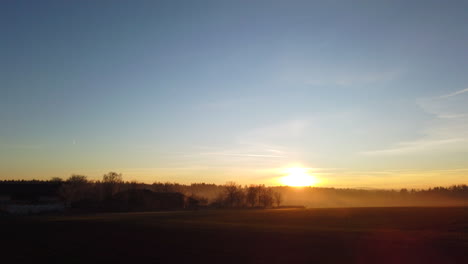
[78, 189]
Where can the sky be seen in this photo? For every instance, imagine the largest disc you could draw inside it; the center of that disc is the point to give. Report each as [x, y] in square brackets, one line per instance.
[360, 93]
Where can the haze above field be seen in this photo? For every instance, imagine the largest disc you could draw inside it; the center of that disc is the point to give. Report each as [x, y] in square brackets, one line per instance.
[362, 94]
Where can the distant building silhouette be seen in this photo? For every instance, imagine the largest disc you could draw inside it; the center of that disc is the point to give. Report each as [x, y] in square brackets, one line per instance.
[30, 197]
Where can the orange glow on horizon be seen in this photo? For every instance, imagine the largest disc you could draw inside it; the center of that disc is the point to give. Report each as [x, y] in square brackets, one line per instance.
[298, 177]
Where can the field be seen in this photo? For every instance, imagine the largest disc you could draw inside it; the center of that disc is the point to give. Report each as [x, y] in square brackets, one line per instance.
[338, 235]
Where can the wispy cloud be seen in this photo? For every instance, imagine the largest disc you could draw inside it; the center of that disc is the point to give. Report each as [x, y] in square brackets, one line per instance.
[406, 178]
[287, 129]
[366, 78]
[318, 76]
[447, 130]
[224, 104]
[454, 93]
[417, 146]
[242, 155]
[452, 116]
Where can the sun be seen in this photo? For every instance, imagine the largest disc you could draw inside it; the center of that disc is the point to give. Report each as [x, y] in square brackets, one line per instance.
[298, 177]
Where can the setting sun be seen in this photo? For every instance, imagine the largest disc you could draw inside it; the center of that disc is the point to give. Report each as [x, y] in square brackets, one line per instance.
[298, 177]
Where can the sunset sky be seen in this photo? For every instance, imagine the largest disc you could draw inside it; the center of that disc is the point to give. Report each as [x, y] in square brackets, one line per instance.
[359, 93]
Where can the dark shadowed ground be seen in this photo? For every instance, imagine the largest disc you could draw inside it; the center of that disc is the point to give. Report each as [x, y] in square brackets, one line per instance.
[338, 235]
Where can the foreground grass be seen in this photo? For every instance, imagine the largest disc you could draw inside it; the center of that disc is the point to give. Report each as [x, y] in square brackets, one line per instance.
[338, 235]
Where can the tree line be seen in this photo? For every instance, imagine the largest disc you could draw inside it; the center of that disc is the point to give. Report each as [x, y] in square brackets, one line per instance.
[78, 188]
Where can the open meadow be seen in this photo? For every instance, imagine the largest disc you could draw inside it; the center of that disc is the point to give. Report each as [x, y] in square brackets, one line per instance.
[338, 235]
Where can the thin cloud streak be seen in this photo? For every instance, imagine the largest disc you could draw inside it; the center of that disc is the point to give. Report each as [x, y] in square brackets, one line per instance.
[447, 131]
[454, 93]
[243, 155]
[409, 147]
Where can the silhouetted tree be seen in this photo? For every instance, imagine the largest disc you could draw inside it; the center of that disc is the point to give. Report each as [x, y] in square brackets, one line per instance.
[111, 184]
[77, 179]
[56, 180]
[234, 194]
[79, 192]
[265, 197]
[278, 198]
[75, 188]
[252, 195]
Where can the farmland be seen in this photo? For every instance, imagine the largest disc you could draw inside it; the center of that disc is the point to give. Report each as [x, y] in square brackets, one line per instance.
[334, 235]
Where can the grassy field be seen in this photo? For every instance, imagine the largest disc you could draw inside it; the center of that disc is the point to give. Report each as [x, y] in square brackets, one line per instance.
[338, 235]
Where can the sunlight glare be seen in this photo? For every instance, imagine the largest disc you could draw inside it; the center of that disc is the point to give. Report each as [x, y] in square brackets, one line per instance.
[298, 177]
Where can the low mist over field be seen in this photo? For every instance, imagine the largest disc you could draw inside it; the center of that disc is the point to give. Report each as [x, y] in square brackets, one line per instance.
[78, 192]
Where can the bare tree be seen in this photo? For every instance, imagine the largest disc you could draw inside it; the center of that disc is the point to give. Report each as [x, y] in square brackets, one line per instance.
[77, 179]
[111, 184]
[278, 198]
[265, 197]
[234, 194]
[75, 188]
[112, 177]
[56, 180]
[252, 195]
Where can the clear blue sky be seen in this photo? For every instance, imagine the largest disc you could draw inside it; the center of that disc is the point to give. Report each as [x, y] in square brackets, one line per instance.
[363, 93]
